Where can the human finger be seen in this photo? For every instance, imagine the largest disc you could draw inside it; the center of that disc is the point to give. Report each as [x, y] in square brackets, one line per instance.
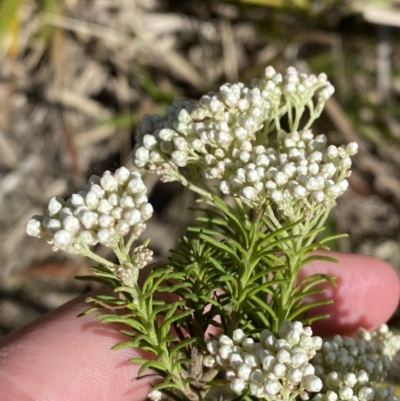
[366, 295]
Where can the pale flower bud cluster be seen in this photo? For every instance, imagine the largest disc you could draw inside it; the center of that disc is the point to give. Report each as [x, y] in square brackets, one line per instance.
[107, 209]
[228, 133]
[299, 173]
[271, 368]
[351, 367]
[140, 257]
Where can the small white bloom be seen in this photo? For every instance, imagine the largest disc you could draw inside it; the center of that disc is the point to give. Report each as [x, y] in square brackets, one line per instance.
[34, 227]
[108, 182]
[63, 239]
[313, 383]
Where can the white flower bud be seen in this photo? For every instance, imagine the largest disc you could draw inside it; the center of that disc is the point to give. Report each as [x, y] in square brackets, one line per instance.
[55, 205]
[127, 202]
[276, 196]
[279, 370]
[88, 237]
[313, 383]
[136, 186]
[133, 217]
[299, 192]
[77, 200]
[350, 379]
[71, 224]
[108, 182]
[238, 385]
[248, 193]
[225, 340]
[283, 356]
[213, 346]
[147, 211]
[225, 351]
[257, 376]
[307, 369]
[209, 361]
[156, 395]
[366, 394]
[122, 228]
[331, 396]
[141, 156]
[280, 178]
[106, 221]
[63, 239]
[149, 142]
[51, 225]
[92, 200]
[272, 387]
[122, 175]
[34, 227]
[235, 360]
[250, 360]
[106, 237]
[268, 363]
[238, 335]
[295, 375]
[117, 213]
[345, 393]
[248, 344]
[244, 372]
[352, 148]
[90, 220]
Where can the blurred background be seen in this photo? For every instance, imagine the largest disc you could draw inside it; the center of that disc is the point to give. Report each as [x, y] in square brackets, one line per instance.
[76, 76]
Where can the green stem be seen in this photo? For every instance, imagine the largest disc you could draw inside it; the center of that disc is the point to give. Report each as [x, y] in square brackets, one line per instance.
[87, 252]
[179, 177]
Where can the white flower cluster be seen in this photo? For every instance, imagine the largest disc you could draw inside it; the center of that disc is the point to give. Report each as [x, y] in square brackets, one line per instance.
[351, 367]
[299, 173]
[228, 137]
[107, 209]
[273, 368]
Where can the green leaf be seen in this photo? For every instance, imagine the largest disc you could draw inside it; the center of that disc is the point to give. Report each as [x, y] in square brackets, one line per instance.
[156, 365]
[125, 320]
[147, 364]
[174, 288]
[131, 344]
[158, 310]
[333, 238]
[309, 320]
[307, 307]
[324, 258]
[89, 310]
[264, 288]
[95, 279]
[182, 344]
[164, 385]
[102, 271]
[166, 324]
[168, 339]
[220, 245]
[263, 305]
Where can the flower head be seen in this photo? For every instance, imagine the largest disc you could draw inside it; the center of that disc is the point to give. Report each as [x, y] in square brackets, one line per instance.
[110, 207]
[234, 136]
[271, 366]
[351, 367]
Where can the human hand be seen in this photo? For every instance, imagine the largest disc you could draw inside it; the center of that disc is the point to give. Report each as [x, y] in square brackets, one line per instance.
[63, 358]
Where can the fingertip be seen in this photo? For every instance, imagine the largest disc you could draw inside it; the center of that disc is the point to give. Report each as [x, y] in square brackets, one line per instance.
[366, 295]
[61, 357]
